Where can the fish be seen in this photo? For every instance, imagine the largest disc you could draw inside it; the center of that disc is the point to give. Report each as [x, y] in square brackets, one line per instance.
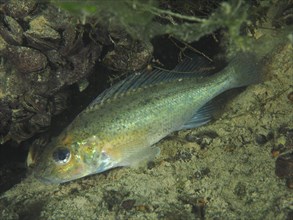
[120, 128]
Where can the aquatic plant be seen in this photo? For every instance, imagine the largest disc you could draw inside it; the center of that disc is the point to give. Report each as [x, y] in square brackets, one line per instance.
[146, 19]
[187, 21]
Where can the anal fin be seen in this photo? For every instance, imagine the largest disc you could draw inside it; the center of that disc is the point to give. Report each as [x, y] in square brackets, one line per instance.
[201, 116]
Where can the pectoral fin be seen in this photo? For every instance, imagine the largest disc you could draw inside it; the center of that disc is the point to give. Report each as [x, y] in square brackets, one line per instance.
[133, 158]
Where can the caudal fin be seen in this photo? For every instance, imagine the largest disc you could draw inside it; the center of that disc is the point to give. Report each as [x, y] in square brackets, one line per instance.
[244, 70]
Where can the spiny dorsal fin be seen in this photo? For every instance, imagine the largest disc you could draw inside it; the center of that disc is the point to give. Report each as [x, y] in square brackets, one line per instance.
[188, 68]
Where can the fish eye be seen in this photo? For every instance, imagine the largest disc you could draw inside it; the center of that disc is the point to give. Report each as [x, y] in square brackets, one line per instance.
[61, 155]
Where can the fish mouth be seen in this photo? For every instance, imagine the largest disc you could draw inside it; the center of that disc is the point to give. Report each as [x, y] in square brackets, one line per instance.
[44, 179]
[50, 181]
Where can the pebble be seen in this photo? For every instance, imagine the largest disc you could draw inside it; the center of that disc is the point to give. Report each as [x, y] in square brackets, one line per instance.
[284, 166]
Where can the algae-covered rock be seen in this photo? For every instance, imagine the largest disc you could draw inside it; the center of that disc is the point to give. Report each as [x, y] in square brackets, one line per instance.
[44, 50]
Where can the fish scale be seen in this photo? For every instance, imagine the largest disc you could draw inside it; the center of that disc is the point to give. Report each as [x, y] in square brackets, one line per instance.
[122, 125]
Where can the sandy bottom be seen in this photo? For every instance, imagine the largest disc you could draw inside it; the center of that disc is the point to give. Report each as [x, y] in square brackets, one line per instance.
[223, 170]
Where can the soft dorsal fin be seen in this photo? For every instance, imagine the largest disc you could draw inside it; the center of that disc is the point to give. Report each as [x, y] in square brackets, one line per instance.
[189, 67]
[194, 64]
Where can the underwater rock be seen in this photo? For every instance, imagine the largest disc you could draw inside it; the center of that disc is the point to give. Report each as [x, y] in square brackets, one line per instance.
[25, 59]
[203, 138]
[200, 174]
[290, 97]
[19, 8]
[59, 102]
[284, 165]
[240, 190]
[113, 198]
[127, 54]
[27, 77]
[289, 183]
[44, 51]
[5, 116]
[261, 139]
[40, 29]
[11, 31]
[128, 204]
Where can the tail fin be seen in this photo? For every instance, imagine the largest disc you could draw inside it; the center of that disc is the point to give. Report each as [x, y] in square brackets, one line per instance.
[244, 70]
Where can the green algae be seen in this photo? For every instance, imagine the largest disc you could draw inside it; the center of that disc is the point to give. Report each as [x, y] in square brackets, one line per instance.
[140, 18]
